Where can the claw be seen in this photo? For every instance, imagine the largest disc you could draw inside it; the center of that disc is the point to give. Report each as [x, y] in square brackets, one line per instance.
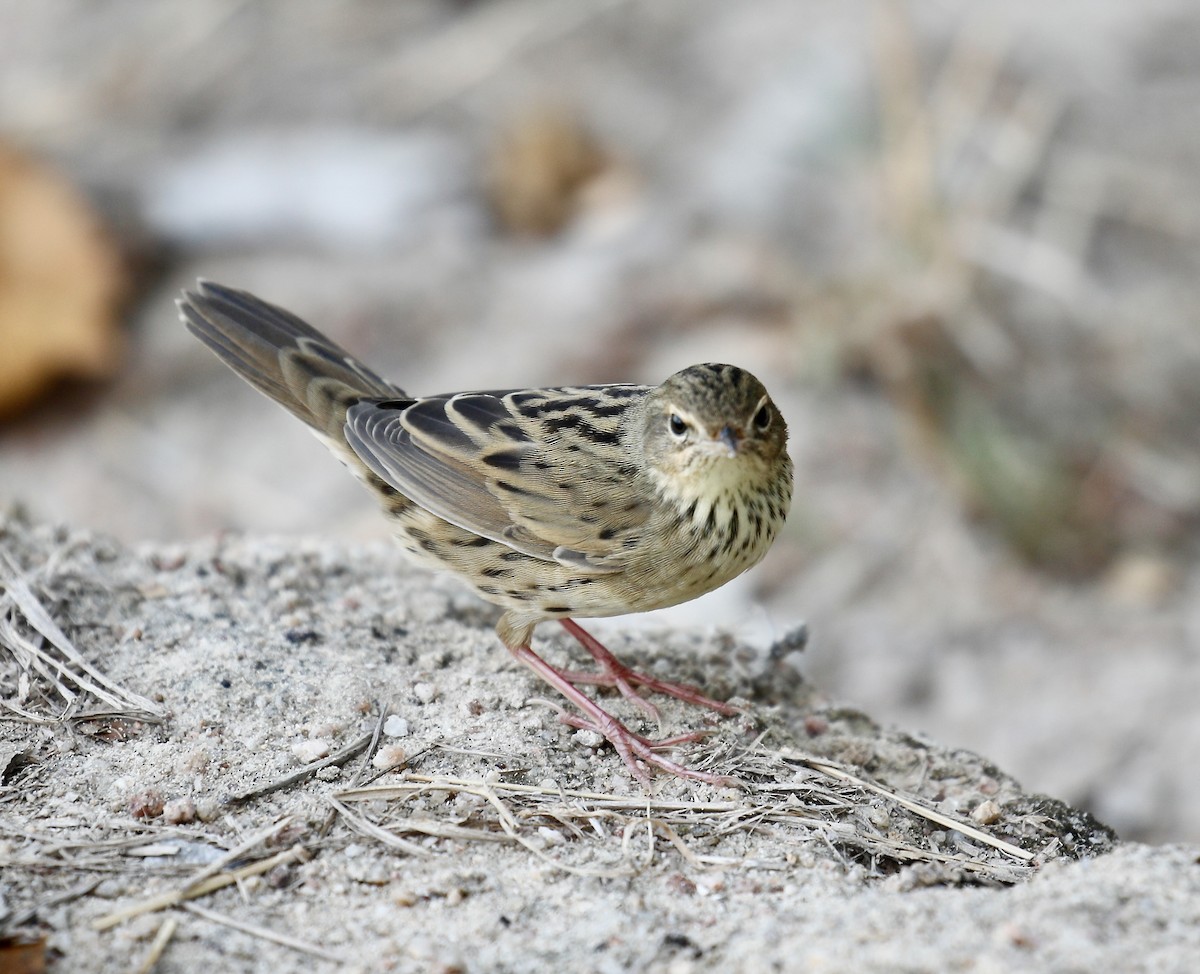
[635, 750]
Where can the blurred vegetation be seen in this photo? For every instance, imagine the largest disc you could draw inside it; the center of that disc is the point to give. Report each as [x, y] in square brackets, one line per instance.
[987, 330]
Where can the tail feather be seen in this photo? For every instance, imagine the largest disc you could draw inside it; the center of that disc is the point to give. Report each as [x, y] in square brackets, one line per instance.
[282, 356]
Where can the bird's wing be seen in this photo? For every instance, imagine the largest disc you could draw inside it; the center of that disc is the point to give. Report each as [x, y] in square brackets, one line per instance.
[545, 471]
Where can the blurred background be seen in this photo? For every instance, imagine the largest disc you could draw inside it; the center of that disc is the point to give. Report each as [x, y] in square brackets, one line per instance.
[959, 243]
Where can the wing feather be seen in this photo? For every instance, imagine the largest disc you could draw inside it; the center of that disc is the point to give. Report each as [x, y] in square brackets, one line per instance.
[506, 466]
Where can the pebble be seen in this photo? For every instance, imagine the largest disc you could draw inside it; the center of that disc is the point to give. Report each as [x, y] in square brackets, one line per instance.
[588, 738]
[395, 726]
[179, 811]
[145, 804]
[308, 751]
[389, 756]
[879, 818]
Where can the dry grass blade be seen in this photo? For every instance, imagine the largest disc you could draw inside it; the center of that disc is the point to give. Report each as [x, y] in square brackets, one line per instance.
[921, 809]
[165, 932]
[257, 839]
[263, 933]
[176, 896]
[346, 754]
[827, 808]
[427, 782]
[370, 749]
[508, 822]
[15, 920]
[370, 829]
[76, 669]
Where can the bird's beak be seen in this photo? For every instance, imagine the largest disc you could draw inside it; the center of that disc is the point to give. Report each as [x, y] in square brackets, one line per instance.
[731, 439]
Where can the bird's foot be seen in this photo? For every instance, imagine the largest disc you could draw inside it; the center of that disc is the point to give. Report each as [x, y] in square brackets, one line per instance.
[614, 673]
[660, 744]
[632, 747]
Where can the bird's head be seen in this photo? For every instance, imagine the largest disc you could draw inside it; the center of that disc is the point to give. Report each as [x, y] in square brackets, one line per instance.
[713, 423]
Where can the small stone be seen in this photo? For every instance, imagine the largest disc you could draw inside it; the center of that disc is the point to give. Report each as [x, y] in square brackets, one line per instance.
[308, 751]
[425, 692]
[815, 725]
[109, 889]
[369, 874]
[456, 896]
[389, 756]
[281, 876]
[179, 811]
[146, 804]
[986, 813]
[395, 726]
[588, 738]
[197, 760]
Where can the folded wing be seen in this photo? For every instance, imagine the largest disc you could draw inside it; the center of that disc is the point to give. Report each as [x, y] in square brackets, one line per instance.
[542, 471]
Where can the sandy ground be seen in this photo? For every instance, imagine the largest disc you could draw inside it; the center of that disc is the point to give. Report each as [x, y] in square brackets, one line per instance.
[335, 159]
[259, 657]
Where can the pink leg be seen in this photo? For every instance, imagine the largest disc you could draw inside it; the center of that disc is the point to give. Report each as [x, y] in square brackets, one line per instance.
[628, 745]
[614, 673]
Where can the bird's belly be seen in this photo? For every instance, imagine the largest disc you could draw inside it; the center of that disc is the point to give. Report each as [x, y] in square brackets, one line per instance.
[673, 563]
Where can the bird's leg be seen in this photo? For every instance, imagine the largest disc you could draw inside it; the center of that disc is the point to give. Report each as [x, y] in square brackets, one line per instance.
[626, 743]
[614, 673]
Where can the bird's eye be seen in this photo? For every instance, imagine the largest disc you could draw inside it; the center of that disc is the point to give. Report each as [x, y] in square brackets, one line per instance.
[762, 418]
[677, 425]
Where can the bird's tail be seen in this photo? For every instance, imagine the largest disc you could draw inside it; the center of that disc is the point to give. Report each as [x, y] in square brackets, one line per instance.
[282, 357]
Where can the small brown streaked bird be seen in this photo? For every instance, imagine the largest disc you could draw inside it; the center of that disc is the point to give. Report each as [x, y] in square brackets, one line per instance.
[557, 503]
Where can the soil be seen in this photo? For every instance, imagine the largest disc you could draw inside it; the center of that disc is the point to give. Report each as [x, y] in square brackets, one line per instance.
[500, 838]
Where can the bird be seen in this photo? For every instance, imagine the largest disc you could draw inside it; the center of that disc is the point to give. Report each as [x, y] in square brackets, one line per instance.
[553, 503]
